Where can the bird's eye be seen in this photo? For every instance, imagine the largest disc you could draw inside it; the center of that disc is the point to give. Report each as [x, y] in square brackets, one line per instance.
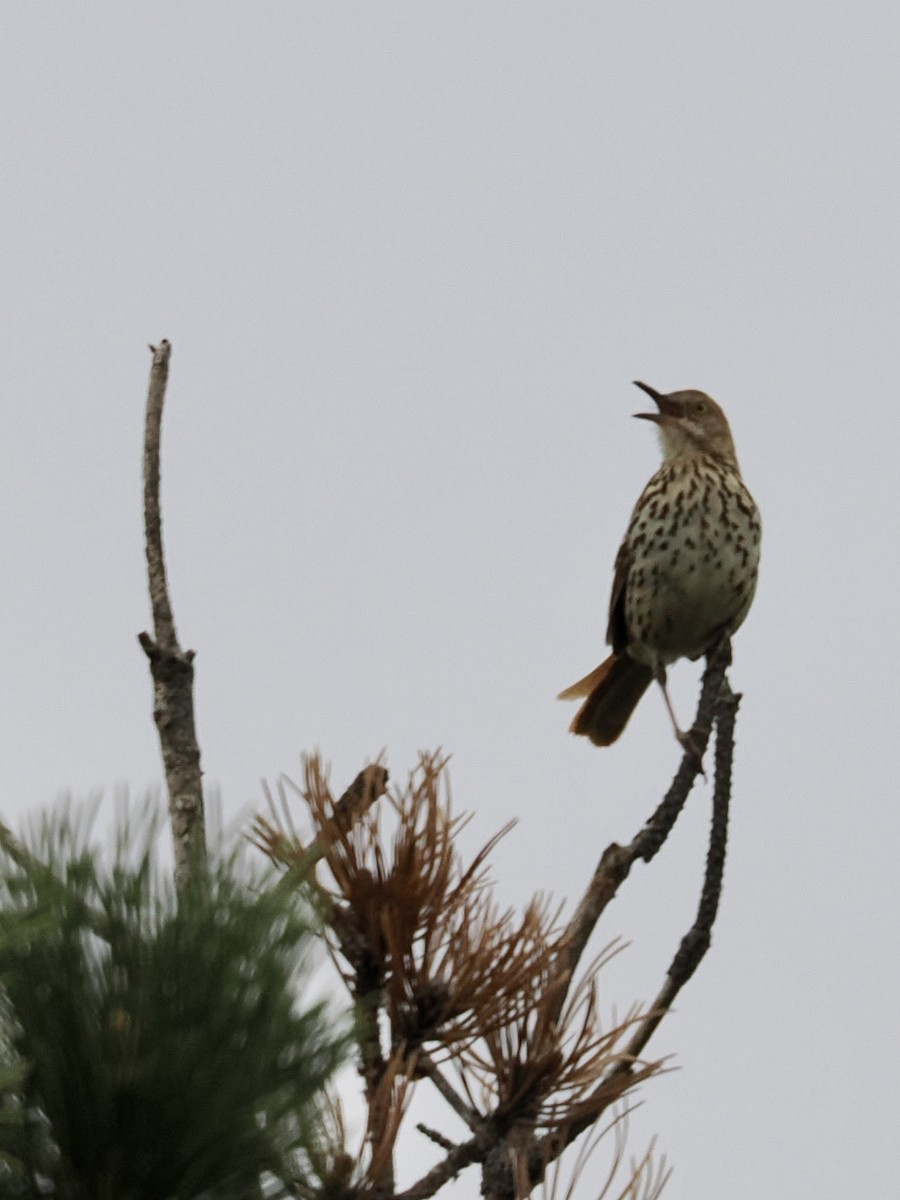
[699, 407]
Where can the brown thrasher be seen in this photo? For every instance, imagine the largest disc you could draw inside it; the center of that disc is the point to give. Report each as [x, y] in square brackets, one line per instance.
[686, 572]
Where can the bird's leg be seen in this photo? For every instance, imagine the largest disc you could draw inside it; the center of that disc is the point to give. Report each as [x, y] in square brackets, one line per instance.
[663, 683]
[687, 741]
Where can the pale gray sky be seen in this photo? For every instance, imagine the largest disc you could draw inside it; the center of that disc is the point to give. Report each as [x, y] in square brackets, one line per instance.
[410, 258]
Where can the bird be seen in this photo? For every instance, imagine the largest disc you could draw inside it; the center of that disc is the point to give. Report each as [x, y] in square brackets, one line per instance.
[686, 572]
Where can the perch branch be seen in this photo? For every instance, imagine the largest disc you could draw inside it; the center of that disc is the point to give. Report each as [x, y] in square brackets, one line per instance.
[616, 861]
[696, 941]
[171, 668]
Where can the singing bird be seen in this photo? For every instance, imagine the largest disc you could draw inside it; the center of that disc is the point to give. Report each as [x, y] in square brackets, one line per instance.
[685, 574]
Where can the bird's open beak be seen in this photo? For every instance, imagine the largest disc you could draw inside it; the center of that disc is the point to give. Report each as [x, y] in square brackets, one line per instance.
[669, 409]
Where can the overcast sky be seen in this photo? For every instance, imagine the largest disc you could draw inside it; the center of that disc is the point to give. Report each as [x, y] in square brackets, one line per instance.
[410, 257]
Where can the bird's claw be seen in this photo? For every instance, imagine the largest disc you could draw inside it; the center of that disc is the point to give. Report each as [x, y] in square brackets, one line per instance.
[693, 743]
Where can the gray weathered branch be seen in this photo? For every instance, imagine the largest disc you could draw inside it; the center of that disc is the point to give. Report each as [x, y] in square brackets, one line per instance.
[616, 861]
[171, 668]
[697, 940]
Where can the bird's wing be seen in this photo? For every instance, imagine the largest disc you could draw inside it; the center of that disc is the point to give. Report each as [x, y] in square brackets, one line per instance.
[617, 634]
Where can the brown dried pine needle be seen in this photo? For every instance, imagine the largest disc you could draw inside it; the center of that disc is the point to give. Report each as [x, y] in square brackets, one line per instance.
[409, 915]
[555, 1070]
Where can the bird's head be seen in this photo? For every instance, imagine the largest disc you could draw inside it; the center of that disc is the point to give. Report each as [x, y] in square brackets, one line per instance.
[690, 423]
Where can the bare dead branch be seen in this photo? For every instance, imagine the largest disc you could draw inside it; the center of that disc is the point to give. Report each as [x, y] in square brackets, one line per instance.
[435, 1136]
[616, 861]
[445, 1088]
[696, 941]
[456, 1160]
[171, 668]
[163, 621]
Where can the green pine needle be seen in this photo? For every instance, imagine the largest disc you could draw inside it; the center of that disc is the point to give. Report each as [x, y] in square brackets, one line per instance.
[157, 1051]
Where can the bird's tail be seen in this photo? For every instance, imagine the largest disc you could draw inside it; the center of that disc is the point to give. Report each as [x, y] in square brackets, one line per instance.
[613, 690]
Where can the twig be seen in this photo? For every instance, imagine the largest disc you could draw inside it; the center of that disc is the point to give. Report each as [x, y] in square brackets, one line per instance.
[456, 1160]
[695, 942]
[171, 668]
[163, 621]
[489, 1145]
[650, 839]
[436, 1136]
[616, 861]
[427, 1067]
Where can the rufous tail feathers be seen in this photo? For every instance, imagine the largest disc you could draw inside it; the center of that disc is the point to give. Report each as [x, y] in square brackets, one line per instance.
[613, 690]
